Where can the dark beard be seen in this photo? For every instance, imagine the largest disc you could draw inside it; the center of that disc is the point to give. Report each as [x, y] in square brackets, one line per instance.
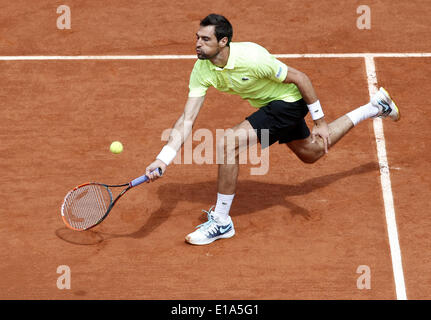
[203, 56]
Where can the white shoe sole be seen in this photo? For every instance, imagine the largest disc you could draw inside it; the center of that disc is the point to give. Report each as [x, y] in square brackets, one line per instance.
[395, 113]
[227, 235]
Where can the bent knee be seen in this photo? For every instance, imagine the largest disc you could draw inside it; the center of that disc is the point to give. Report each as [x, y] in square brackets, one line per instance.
[226, 144]
[227, 149]
[308, 160]
[309, 156]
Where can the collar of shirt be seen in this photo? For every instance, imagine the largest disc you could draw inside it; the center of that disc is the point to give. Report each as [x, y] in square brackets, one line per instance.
[230, 61]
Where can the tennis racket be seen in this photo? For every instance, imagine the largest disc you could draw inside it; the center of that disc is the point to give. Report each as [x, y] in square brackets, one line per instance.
[89, 204]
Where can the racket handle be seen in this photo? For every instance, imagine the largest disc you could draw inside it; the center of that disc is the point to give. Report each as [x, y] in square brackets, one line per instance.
[143, 178]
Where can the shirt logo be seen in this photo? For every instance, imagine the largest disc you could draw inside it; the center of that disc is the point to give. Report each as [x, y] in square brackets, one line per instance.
[245, 78]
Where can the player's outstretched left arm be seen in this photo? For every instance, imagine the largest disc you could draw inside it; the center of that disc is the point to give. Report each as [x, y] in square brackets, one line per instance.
[304, 85]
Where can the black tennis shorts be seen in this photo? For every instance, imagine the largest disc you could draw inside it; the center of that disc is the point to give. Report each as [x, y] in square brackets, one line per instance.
[284, 121]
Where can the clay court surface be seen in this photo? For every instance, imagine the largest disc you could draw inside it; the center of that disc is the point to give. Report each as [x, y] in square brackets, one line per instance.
[302, 230]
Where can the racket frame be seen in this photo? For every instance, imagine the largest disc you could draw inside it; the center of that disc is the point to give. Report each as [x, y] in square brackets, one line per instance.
[111, 203]
[128, 186]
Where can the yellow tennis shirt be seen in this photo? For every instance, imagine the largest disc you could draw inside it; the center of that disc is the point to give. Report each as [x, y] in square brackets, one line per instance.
[251, 72]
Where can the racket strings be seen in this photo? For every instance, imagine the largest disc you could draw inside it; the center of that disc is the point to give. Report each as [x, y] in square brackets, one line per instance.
[86, 206]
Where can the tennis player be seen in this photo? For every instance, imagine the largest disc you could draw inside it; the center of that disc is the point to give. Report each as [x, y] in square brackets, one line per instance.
[282, 96]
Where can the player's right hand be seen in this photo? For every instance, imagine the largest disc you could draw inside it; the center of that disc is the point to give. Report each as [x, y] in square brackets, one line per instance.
[153, 166]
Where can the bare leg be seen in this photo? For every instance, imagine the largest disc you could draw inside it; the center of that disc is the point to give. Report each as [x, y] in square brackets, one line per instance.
[243, 135]
[227, 178]
[311, 152]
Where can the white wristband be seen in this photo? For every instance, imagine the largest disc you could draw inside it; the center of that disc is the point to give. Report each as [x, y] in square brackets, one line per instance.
[315, 110]
[167, 155]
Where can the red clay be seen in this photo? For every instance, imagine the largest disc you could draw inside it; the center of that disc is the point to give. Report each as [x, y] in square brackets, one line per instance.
[302, 230]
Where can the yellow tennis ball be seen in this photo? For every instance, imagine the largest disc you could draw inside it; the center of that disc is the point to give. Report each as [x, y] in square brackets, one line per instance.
[116, 147]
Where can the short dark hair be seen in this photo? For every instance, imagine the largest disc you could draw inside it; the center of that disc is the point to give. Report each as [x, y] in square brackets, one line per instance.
[223, 28]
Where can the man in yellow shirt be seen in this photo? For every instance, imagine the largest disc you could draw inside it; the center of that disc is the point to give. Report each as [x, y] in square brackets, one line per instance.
[282, 95]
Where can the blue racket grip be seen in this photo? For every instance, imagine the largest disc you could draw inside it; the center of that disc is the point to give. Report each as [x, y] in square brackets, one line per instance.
[143, 178]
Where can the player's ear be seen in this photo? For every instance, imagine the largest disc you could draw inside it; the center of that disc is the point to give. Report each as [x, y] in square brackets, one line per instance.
[223, 42]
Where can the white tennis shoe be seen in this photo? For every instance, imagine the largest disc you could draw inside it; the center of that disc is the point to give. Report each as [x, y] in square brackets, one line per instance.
[387, 107]
[211, 230]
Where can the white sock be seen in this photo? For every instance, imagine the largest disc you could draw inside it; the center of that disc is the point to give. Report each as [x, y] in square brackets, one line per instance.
[221, 211]
[362, 113]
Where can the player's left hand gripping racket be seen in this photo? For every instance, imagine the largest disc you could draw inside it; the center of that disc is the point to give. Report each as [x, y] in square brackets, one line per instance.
[89, 204]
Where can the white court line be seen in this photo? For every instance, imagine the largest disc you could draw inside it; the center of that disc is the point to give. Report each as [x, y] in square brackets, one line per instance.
[177, 57]
[134, 57]
[355, 55]
[385, 180]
